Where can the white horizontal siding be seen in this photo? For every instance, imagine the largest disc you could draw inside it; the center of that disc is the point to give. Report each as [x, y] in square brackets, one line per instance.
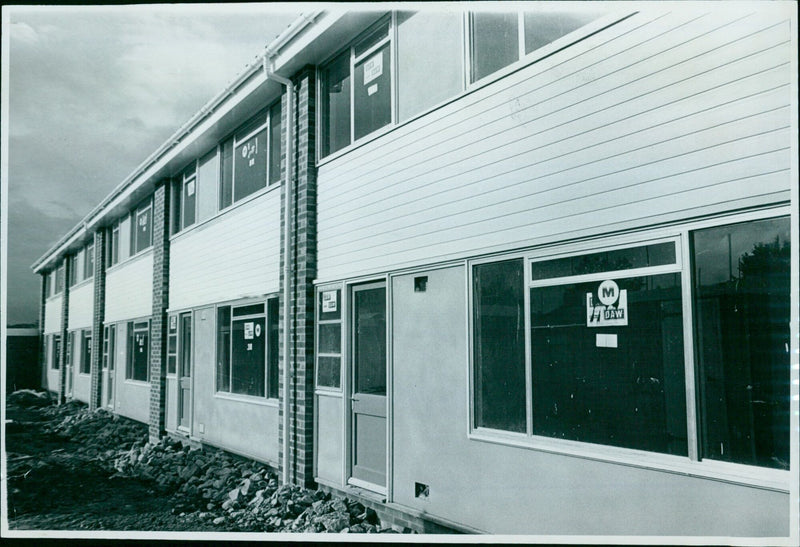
[235, 255]
[81, 306]
[52, 315]
[657, 118]
[129, 289]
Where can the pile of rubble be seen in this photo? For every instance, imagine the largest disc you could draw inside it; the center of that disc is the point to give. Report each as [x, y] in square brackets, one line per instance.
[239, 494]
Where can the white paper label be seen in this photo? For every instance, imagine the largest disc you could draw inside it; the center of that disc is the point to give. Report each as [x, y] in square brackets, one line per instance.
[190, 188]
[373, 68]
[606, 340]
[612, 308]
[328, 301]
[371, 90]
[248, 330]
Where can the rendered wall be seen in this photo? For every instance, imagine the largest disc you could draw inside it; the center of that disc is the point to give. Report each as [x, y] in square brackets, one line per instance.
[659, 117]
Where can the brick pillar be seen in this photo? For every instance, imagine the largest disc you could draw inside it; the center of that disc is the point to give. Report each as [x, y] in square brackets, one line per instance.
[305, 271]
[62, 358]
[99, 316]
[158, 325]
[42, 338]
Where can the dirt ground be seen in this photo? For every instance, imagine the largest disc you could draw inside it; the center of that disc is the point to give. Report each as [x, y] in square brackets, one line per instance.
[54, 485]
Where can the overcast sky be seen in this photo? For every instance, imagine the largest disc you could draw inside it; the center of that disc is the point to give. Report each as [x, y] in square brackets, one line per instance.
[92, 92]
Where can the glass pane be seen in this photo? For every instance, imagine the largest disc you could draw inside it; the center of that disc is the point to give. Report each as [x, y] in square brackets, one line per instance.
[56, 352]
[610, 383]
[112, 347]
[329, 373]
[499, 345]
[186, 345]
[207, 180]
[252, 309]
[380, 32]
[659, 254]
[144, 229]
[89, 262]
[273, 346]
[250, 166]
[171, 364]
[86, 354]
[546, 26]
[372, 96]
[330, 338]
[742, 284]
[495, 42]
[369, 340]
[226, 175]
[335, 102]
[140, 352]
[247, 367]
[223, 348]
[275, 143]
[189, 202]
[430, 66]
[330, 304]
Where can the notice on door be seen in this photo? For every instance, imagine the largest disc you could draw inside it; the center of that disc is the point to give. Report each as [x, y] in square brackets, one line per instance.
[328, 301]
[611, 309]
[248, 330]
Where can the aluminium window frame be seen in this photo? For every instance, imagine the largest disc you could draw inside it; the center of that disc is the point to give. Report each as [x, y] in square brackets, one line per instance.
[144, 206]
[343, 345]
[88, 258]
[86, 334]
[130, 333]
[241, 303]
[692, 464]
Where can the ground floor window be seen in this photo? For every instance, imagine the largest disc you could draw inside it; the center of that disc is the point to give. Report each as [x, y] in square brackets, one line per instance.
[138, 366]
[55, 355]
[607, 335]
[109, 343]
[247, 349]
[86, 352]
[329, 338]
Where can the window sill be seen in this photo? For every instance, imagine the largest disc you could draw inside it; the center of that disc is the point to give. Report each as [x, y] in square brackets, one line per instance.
[81, 283]
[329, 391]
[140, 383]
[212, 219]
[745, 475]
[251, 399]
[129, 260]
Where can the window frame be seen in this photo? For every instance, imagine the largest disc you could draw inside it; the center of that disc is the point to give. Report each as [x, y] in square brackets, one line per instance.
[692, 464]
[144, 206]
[88, 261]
[85, 366]
[131, 330]
[55, 351]
[319, 289]
[237, 304]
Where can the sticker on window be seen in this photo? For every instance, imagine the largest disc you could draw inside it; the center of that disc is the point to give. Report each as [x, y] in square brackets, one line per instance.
[248, 330]
[373, 68]
[372, 90]
[328, 301]
[612, 308]
[190, 188]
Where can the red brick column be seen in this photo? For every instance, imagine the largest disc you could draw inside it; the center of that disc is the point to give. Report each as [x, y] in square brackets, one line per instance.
[99, 275]
[304, 270]
[158, 325]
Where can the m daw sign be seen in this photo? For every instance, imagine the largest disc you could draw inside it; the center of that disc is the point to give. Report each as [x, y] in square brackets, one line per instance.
[611, 310]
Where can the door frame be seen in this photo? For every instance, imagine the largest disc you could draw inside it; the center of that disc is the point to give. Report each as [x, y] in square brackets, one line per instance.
[187, 429]
[347, 383]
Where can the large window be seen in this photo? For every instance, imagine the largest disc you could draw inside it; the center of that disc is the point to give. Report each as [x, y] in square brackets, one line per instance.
[60, 278]
[73, 273]
[138, 366]
[55, 354]
[741, 282]
[88, 269]
[607, 358]
[247, 349]
[434, 54]
[112, 245]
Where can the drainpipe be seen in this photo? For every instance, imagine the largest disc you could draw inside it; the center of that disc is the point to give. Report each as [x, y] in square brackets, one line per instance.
[287, 260]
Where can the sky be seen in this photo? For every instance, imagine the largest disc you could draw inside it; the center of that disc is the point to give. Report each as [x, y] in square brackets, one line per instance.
[92, 92]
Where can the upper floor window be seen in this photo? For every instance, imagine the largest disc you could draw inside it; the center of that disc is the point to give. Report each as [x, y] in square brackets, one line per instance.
[47, 279]
[59, 284]
[73, 273]
[88, 263]
[142, 232]
[360, 92]
[112, 245]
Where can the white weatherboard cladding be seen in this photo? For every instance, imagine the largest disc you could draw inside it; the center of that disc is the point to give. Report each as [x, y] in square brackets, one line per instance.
[129, 289]
[657, 118]
[81, 306]
[52, 315]
[233, 256]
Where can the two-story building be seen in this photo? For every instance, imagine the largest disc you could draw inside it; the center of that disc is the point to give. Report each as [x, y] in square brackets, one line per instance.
[516, 272]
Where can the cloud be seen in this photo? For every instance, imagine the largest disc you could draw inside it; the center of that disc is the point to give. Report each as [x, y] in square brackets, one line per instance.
[24, 33]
